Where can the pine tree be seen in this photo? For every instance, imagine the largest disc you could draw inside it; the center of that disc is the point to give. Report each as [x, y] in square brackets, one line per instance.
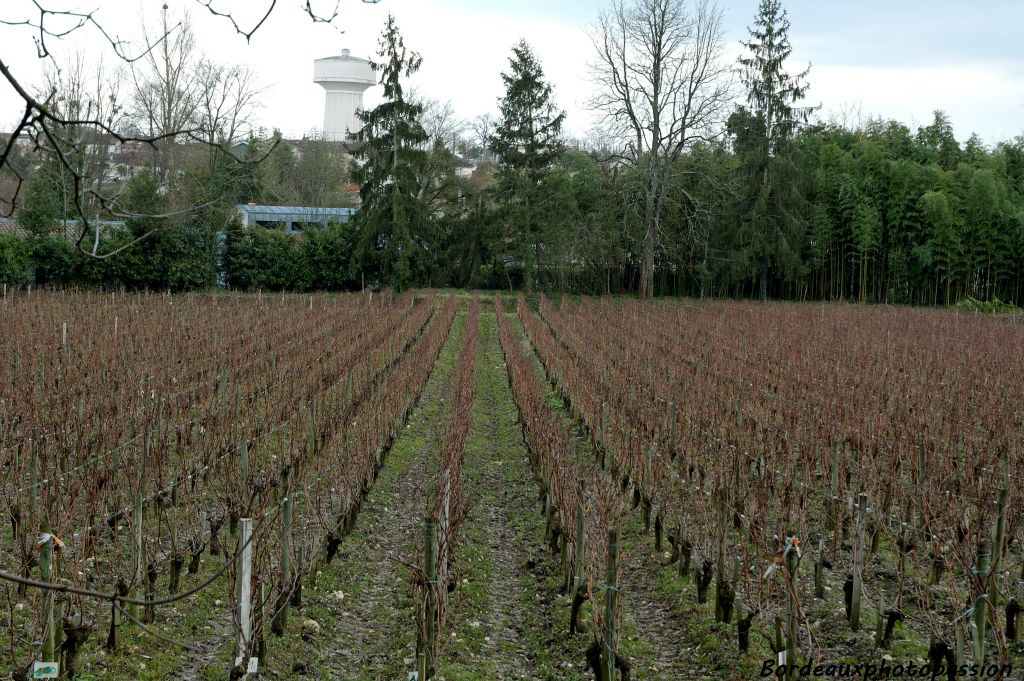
[528, 142]
[43, 207]
[394, 223]
[771, 215]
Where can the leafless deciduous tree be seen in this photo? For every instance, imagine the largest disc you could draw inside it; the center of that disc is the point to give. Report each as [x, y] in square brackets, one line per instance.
[226, 102]
[319, 171]
[179, 89]
[444, 131]
[167, 91]
[79, 92]
[44, 128]
[483, 128]
[663, 85]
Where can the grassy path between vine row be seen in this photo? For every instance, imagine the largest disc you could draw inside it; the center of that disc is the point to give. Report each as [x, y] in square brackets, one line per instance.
[363, 600]
[503, 621]
[506, 619]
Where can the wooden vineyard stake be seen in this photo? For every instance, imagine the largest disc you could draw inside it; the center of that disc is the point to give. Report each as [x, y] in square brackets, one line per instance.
[723, 599]
[958, 638]
[138, 557]
[33, 505]
[177, 556]
[603, 449]
[281, 611]
[243, 594]
[999, 539]
[611, 594]
[938, 567]
[427, 634]
[982, 565]
[116, 617]
[833, 518]
[46, 596]
[580, 552]
[138, 562]
[548, 515]
[780, 645]
[858, 558]
[792, 563]
[698, 570]
[742, 626]
[243, 465]
[33, 499]
[879, 622]
[61, 653]
[296, 599]
[313, 448]
[566, 563]
[702, 575]
[672, 418]
[579, 568]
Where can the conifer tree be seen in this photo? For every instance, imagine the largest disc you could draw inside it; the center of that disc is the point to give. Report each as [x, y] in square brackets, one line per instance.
[772, 226]
[42, 210]
[528, 142]
[393, 222]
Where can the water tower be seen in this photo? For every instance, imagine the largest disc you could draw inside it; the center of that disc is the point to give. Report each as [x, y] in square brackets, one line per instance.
[345, 78]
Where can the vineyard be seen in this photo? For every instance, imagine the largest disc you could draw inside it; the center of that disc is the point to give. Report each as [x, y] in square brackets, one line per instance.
[443, 485]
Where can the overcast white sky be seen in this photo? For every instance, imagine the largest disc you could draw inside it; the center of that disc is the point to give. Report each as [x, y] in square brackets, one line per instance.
[897, 59]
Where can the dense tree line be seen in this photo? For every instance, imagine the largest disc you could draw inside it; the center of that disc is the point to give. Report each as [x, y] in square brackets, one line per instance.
[881, 217]
[711, 198]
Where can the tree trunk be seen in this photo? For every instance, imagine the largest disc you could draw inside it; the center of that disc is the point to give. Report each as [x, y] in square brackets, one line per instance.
[647, 270]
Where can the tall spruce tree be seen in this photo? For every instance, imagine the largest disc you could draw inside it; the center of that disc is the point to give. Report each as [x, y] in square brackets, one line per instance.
[528, 143]
[44, 206]
[394, 223]
[771, 223]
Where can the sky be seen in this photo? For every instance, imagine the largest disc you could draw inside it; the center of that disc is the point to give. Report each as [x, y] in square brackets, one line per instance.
[898, 59]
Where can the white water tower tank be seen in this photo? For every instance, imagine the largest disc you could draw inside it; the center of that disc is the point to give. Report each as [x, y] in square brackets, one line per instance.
[345, 78]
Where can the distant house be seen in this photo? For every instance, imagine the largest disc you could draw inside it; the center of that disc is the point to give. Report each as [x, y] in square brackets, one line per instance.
[290, 218]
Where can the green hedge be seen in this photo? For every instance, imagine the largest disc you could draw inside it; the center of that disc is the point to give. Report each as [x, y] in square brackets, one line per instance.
[15, 263]
[186, 258]
[265, 259]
